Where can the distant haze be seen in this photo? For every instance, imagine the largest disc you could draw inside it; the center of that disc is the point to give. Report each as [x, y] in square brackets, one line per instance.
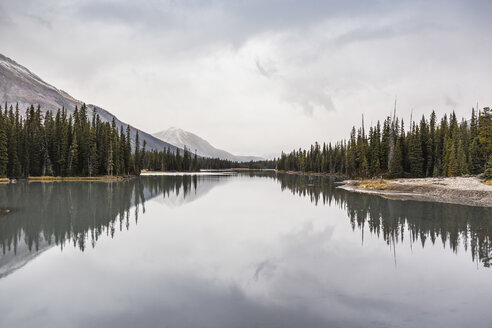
[257, 77]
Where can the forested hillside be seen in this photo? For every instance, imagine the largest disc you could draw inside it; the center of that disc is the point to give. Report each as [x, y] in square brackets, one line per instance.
[57, 144]
[429, 148]
[20, 86]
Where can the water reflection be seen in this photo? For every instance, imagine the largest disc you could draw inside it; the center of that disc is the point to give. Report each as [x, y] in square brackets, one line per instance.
[452, 225]
[237, 251]
[48, 214]
[43, 215]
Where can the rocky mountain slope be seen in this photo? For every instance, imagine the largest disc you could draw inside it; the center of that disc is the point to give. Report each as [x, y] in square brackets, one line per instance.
[191, 141]
[19, 85]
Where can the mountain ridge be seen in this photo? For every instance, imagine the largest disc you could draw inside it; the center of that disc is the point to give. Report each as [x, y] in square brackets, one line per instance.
[191, 141]
[18, 85]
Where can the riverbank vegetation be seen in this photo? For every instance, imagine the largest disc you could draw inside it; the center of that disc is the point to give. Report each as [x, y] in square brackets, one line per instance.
[52, 146]
[166, 161]
[56, 145]
[429, 148]
[217, 163]
[61, 144]
[169, 161]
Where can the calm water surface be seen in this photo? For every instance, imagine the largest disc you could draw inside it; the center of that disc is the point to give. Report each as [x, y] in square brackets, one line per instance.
[248, 250]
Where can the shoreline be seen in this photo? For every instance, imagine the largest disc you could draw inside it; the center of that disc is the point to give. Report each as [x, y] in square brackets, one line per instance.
[208, 170]
[67, 179]
[337, 177]
[469, 191]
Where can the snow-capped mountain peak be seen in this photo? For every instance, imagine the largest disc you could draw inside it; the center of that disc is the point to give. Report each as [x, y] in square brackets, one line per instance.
[181, 138]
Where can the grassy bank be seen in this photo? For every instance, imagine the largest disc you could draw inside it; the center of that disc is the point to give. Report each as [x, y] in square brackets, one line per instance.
[98, 178]
[379, 184]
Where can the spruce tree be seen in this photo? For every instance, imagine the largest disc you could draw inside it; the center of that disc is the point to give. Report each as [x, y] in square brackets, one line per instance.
[461, 159]
[73, 157]
[4, 156]
[452, 166]
[485, 135]
[136, 164]
[397, 167]
[415, 153]
[475, 157]
[488, 171]
[128, 151]
[92, 155]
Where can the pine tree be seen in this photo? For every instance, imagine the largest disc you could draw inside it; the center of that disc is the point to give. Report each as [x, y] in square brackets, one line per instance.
[136, 164]
[426, 146]
[452, 167]
[73, 156]
[196, 166]
[397, 167]
[92, 155]
[14, 166]
[488, 171]
[485, 135]
[432, 136]
[4, 156]
[461, 159]
[475, 158]
[415, 153]
[128, 150]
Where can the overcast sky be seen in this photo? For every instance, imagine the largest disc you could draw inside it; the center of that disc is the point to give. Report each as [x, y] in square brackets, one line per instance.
[257, 76]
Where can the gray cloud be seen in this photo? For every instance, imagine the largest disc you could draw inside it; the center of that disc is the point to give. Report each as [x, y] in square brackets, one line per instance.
[362, 34]
[39, 20]
[199, 64]
[4, 17]
[450, 102]
[267, 71]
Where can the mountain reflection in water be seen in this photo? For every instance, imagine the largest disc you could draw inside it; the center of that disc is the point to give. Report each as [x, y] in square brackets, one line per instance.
[79, 213]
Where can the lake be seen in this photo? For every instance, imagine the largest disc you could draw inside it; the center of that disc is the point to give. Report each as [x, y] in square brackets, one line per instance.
[238, 250]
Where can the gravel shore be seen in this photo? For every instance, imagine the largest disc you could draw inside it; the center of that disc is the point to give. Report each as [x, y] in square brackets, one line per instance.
[459, 190]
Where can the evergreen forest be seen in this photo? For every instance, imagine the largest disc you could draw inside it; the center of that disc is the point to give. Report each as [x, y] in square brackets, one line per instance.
[62, 144]
[432, 147]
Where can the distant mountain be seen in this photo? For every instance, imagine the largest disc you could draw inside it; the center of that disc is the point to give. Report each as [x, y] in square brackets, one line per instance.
[19, 85]
[191, 141]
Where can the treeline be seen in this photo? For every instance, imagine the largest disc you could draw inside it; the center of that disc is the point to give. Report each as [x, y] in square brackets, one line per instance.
[429, 148]
[169, 161]
[63, 144]
[217, 163]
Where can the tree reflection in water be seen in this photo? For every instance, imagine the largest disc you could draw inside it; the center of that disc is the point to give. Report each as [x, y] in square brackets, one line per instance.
[453, 225]
[80, 212]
